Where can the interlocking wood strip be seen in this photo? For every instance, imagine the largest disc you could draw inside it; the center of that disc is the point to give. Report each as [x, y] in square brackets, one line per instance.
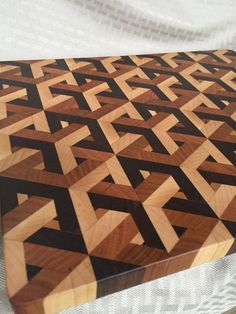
[114, 171]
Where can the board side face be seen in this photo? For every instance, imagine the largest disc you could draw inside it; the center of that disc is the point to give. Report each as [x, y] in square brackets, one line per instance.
[114, 171]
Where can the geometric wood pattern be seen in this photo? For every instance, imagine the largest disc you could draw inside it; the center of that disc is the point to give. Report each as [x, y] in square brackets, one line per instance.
[114, 171]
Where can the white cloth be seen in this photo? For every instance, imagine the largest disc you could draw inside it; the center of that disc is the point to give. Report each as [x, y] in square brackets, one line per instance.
[62, 28]
[78, 28]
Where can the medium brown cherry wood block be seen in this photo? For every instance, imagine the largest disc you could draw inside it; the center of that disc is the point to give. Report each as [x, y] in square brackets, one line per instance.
[114, 171]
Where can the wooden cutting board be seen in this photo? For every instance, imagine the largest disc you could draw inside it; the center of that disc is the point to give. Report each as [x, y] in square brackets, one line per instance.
[114, 171]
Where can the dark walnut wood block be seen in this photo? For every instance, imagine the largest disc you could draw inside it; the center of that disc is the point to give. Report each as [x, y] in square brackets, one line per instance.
[114, 171]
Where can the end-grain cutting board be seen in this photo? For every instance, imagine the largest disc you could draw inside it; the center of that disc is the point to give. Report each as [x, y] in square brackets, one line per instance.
[114, 171]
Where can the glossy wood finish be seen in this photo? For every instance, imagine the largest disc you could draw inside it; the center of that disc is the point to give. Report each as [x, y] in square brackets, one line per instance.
[114, 171]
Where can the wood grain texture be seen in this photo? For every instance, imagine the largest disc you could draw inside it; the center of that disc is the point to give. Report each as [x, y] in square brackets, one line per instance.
[114, 171]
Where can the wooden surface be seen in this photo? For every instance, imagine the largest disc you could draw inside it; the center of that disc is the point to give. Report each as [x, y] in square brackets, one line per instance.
[114, 171]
